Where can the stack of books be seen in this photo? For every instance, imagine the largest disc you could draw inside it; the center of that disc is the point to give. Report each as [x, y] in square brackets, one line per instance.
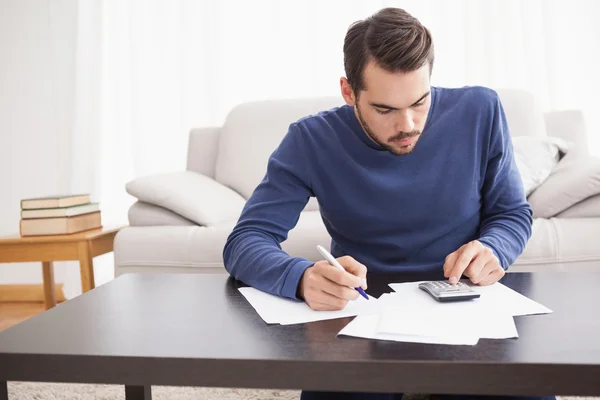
[58, 215]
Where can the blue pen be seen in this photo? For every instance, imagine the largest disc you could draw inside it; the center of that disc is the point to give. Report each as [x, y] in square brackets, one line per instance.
[334, 262]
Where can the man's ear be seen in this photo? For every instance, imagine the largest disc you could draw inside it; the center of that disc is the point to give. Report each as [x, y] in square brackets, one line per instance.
[347, 92]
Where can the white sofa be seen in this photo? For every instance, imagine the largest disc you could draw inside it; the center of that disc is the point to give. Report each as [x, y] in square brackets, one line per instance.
[182, 219]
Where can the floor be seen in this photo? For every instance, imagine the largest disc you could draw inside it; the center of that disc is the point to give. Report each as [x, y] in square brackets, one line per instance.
[13, 313]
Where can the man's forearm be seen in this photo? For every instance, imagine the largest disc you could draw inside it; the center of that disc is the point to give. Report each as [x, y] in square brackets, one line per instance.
[507, 234]
[253, 252]
[506, 215]
[256, 259]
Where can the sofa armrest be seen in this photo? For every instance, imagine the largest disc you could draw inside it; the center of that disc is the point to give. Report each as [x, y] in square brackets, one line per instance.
[203, 146]
[588, 208]
[568, 125]
[146, 214]
[193, 196]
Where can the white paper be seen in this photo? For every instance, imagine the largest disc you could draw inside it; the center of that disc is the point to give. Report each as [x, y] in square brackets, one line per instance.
[278, 310]
[504, 298]
[438, 320]
[494, 298]
[365, 326]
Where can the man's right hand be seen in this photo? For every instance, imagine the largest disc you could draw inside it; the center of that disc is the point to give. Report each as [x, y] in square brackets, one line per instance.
[327, 288]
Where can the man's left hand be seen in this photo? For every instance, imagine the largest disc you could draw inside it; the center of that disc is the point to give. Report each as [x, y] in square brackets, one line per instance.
[475, 261]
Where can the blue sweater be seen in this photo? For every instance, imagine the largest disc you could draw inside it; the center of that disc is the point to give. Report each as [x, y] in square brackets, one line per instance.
[391, 213]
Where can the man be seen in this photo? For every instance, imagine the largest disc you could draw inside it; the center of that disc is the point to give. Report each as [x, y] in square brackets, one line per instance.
[409, 177]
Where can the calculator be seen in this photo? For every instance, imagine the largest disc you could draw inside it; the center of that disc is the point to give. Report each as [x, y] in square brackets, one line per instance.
[445, 291]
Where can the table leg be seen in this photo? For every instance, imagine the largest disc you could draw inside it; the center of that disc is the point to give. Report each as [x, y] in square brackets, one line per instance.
[86, 266]
[3, 390]
[137, 392]
[49, 290]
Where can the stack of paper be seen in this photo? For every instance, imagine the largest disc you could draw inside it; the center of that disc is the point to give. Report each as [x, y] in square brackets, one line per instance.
[277, 310]
[435, 319]
[366, 326]
[411, 315]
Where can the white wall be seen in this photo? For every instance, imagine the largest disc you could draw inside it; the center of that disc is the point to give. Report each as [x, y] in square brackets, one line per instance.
[37, 60]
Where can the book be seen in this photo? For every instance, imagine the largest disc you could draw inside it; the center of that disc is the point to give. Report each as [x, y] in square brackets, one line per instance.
[60, 212]
[61, 225]
[55, 201]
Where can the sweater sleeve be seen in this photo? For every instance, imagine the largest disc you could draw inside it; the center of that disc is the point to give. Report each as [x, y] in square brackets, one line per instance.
[252, 252]
[506, 214]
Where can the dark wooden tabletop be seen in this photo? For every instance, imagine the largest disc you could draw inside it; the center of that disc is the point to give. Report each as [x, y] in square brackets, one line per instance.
[197, 330]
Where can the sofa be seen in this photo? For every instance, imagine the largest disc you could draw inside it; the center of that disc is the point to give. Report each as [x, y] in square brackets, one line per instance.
[181, 219]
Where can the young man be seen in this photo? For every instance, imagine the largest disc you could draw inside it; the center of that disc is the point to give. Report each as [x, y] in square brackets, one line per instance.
[409, 177]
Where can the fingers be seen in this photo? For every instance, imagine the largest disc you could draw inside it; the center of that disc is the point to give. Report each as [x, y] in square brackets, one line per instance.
[326, 287]
[481, 266]
[354, 267]
[342, 292]
[487, 269]
[449, 263]
[465, 255]
[320, 300]
[322, 307]
[496, 274]
[338, 276]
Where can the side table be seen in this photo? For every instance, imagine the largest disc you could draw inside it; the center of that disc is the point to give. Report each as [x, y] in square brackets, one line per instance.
[82, 246]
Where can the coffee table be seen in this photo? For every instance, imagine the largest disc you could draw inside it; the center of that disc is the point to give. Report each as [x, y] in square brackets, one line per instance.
[197, 330]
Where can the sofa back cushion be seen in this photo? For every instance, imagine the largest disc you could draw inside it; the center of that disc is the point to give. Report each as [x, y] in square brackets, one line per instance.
[252, 131]
[523, 112]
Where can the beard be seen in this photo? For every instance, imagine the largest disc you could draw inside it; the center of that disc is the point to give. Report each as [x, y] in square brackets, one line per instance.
[386, 145]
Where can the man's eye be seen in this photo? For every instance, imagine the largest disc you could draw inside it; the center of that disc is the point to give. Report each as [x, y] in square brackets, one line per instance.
[419, 104]
[383, 111]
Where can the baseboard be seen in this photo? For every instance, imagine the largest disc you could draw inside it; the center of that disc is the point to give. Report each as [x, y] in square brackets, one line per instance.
[28, 293]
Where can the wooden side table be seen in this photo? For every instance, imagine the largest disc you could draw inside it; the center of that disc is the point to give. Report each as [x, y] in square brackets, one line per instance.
[82, 246]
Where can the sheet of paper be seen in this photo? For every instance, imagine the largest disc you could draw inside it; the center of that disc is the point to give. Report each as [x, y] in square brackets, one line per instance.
[366, 326]
[496, 297]
[436, 320]
[278, 310]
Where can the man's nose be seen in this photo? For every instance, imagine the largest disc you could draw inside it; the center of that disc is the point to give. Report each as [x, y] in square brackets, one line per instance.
[405, 123]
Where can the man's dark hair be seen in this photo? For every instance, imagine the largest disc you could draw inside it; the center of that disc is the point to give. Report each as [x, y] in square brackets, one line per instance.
[392, 38]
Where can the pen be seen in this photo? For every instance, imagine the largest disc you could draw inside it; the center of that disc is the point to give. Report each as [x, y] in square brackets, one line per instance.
[334, 262]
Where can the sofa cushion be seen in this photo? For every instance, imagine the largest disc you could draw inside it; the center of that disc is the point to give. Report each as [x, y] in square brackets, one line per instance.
[309, 232]
[174, 248]
[556, 244]
[561, 244]
[536, 158]
[523, 112]
[194, 196]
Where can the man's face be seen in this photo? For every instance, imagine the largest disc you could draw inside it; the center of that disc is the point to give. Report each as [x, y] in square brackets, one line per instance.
[394, 106]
